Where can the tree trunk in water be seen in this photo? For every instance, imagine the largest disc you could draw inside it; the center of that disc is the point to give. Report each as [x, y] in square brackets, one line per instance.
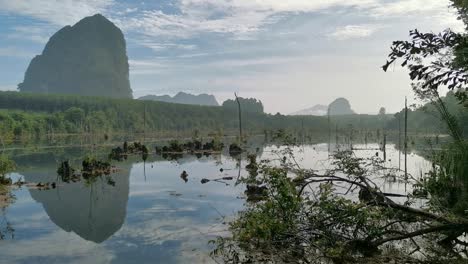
[240, 118]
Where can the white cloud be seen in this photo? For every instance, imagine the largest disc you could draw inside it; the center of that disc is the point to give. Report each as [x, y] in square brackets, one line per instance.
[439, 11]
[147, 67]
[237, 17]
[15, 52]
[37, 34]
[77, 249]
[57, 12]
[404, 7]
[353, 31]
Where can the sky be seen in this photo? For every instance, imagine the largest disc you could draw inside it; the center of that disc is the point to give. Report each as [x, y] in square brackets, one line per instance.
[290, 54]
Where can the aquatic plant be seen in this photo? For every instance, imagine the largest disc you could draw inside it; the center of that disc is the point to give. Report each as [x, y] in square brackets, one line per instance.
[6, 166]
[91, 167]
[65, 171]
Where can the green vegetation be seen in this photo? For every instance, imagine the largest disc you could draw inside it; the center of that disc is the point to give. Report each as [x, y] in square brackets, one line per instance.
[193, 146]
[6, 166]
[250, 105]
[344, 215]
[427, 119]
[25, 115]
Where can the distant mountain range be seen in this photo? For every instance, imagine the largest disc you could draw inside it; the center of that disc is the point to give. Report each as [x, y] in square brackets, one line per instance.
[184, 98]
[340, 106]
[317, 110]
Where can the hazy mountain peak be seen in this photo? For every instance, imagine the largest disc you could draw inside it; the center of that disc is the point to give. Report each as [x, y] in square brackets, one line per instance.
[316, 110]
[184, 98]
[339, 106]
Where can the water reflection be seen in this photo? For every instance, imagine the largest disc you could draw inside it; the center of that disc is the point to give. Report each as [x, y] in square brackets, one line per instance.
[93, 210]
[154, 214]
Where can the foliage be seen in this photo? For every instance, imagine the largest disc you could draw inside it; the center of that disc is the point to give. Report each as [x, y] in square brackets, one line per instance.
[247, 105]
[26, 116]
[6, 166]
[427, 118]
[341, 216]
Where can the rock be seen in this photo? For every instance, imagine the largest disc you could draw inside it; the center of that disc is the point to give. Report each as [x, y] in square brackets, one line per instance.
[88, 59]
[340, 106]
[184, 176]
[203, 181]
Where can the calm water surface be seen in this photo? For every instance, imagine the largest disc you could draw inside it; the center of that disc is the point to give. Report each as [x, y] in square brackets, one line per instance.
[150, 214]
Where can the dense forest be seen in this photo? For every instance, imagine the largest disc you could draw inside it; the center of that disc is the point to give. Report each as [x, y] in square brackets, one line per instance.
[26, 115]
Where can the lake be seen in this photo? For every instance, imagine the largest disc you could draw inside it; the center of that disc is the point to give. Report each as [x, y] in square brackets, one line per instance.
[147, 213]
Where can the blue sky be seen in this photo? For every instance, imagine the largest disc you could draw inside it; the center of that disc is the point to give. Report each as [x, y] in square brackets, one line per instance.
[291, 54]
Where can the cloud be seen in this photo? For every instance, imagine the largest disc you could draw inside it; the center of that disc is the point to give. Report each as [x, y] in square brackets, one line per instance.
[353, 31]
[239, 18]
[35, 33]
[15, 52]
[57, 12]
[404, 7]
[77, 249]
[439, 11]
[147, 67]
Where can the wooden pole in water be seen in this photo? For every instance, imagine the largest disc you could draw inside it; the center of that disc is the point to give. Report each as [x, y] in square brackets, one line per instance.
[329, 130]
[240, 118]
[385, 147]
[406, 140]
[302, 127]
[144, 122]
[399, 142]
[336, 134]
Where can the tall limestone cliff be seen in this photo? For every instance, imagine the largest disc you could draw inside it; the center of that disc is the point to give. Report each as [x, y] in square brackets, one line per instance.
[88, 58]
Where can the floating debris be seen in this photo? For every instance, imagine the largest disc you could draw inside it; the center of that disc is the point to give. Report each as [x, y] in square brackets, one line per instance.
[184, 176]
[203, 181]
[195, 146]
[174, 193]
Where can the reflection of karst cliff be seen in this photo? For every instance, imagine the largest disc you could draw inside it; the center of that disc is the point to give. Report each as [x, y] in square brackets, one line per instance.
[93, 211]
